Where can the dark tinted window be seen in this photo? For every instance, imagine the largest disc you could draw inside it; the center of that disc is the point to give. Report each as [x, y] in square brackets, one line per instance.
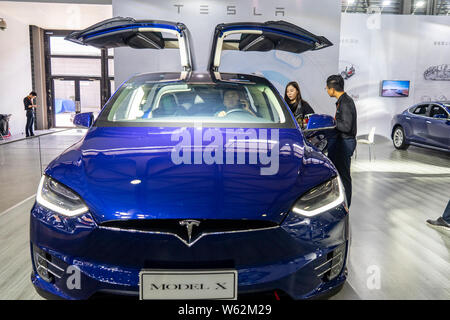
[421, 110]
[437, 110]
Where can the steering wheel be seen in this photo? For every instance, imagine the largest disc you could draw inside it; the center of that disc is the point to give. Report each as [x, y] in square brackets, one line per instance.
[237, 110]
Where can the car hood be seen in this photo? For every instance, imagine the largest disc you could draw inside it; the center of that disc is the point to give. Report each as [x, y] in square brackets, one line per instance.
[130, 173]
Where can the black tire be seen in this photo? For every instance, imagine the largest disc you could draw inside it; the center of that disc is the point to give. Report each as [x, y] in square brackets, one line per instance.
[398, 138]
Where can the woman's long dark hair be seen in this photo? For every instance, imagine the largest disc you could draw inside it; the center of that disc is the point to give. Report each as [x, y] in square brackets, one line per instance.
[299, 94]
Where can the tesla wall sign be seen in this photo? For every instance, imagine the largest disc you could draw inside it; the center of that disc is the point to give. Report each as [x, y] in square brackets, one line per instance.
[229, 10]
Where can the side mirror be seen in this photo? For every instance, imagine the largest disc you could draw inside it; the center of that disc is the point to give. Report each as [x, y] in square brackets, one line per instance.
[320, 122]
[319, 129]
[84, 120]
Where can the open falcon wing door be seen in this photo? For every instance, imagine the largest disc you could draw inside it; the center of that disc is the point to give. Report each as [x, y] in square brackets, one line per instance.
[138, 34]
[270, 35]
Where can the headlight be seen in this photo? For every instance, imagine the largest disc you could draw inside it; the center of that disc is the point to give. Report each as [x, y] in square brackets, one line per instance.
[57, 197]
[321, 198]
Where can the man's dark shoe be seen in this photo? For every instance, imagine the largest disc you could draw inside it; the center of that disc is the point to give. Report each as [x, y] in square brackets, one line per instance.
[439, 224]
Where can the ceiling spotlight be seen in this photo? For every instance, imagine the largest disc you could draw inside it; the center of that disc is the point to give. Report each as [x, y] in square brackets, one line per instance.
[420, 4]
[349, 3]
[386, 3]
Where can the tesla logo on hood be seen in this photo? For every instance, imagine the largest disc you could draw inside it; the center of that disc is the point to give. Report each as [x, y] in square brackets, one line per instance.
[189, 225]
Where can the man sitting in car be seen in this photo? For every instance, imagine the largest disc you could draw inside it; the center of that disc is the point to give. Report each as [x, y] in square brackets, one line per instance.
[232, 101]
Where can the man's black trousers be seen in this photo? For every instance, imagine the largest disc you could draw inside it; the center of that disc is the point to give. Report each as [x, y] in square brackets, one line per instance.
[29, 126]
[340, 152]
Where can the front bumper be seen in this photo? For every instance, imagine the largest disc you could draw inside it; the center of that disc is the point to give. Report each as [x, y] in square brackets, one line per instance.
[85, 260]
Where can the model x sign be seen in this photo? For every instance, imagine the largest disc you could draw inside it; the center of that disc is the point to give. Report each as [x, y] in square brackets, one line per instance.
[188, 285]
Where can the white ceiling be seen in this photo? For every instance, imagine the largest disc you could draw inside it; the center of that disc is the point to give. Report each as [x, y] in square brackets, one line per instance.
[55, 15]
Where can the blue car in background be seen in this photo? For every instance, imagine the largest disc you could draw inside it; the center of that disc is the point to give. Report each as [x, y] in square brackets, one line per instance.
[426, 124]
[192, 185]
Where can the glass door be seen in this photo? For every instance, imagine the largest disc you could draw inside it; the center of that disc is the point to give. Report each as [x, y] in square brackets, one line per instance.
[90, 100]
[75, 96]
[78, 78]
[64, 102]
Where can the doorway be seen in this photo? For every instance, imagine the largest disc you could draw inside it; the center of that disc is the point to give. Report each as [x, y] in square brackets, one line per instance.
[74, 95]
[79, 78]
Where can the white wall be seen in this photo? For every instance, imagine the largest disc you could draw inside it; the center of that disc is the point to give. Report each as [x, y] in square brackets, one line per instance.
[309, 69]
[392, 47]
[15, 61]
[15, 72]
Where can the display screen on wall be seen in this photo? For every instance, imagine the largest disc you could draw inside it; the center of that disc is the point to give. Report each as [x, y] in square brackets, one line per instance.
[395, 88]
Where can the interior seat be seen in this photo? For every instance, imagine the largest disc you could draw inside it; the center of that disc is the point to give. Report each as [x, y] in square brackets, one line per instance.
[168, 106]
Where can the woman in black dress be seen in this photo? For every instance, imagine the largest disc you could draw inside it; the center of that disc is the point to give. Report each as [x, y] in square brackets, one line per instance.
[299, 107]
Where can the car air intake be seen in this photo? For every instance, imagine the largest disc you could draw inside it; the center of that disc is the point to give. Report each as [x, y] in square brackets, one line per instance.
[45, 265]
[330, 266]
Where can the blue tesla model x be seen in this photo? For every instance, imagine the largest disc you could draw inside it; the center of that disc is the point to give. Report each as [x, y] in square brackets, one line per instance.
[426, 124]
[192, 185]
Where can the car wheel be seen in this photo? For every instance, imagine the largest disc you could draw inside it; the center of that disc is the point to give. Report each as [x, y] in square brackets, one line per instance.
[398, 138]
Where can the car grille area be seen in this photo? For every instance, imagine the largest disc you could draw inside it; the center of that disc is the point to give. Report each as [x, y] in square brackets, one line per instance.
[189, 230]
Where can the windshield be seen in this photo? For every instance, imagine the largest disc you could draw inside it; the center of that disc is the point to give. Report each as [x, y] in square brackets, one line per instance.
[153, 103]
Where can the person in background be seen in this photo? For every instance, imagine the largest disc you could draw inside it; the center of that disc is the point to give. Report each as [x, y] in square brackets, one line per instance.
[443, 222]
[299, 107]
[28, 102]
[343, 143]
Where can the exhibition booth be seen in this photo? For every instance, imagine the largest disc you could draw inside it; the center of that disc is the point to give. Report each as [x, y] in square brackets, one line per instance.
[223, 151]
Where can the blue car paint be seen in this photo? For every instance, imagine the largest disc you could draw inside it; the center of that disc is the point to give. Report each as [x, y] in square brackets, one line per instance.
[422, 130]
[318, 121]
[100, 255]
[283, 259]
[100, 168]
[83, 120]
[130, 27]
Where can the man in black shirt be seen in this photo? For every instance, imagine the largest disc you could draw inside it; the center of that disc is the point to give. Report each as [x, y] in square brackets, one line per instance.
[343, 144]
[29, 106]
